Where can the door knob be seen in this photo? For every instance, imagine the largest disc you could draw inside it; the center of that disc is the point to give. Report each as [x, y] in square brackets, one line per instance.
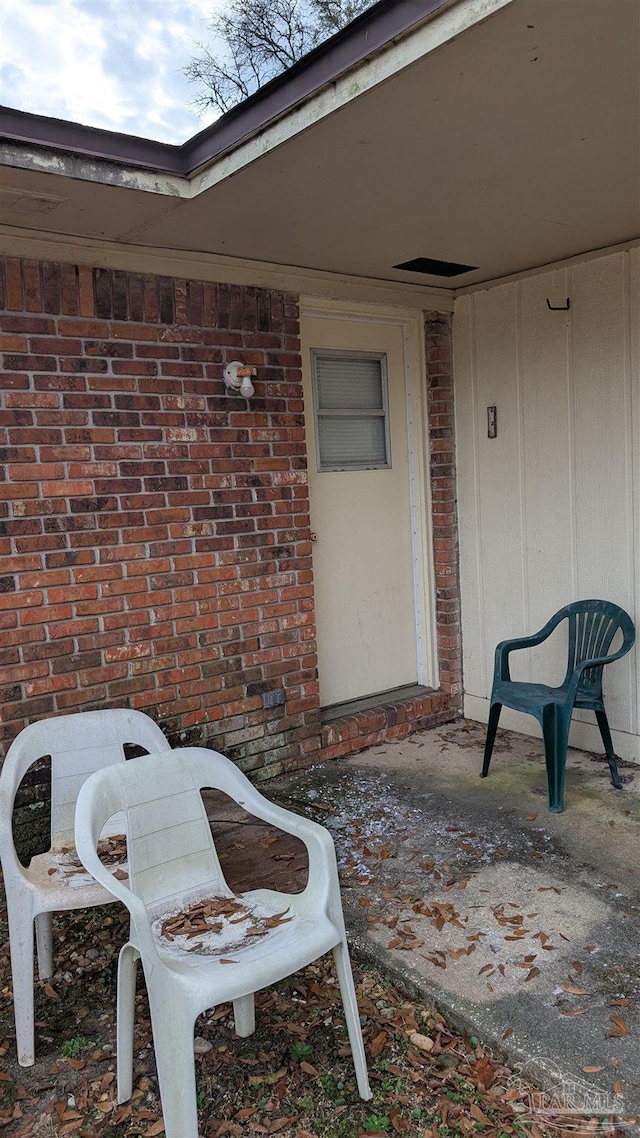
[313, 536]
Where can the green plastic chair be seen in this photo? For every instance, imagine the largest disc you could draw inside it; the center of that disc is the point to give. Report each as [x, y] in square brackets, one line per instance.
[592, 628]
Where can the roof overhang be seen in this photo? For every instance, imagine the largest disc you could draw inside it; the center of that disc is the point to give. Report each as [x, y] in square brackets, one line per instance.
[497, 133]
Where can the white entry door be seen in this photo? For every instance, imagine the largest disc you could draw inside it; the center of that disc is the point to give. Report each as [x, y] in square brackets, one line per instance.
[361, 512]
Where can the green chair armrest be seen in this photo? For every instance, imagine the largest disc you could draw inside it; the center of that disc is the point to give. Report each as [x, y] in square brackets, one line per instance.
[501, 665]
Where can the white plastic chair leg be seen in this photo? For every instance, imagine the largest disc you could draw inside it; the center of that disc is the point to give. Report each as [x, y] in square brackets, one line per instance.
[127, 974]
[21, 946]
[352, 1017]
[173, 1042]
[244, 1014]
[44, 944]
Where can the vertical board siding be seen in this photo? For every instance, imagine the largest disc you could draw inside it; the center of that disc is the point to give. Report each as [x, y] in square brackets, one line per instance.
[549, 509]
[499, 465]
[634, 444]
[548, 477]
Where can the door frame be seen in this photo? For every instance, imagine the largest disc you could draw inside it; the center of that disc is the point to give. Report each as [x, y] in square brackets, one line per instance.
[411, 322]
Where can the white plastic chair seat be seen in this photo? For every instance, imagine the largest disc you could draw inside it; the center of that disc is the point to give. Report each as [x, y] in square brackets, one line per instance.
[264, 936]
[63, 873]
[303, 938]
[78, 744]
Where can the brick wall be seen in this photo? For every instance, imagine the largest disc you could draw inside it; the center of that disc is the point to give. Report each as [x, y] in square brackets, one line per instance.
[441, 426]
[153, 530]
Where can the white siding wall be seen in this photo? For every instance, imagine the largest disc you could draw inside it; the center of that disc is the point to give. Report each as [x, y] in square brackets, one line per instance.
[550, 509]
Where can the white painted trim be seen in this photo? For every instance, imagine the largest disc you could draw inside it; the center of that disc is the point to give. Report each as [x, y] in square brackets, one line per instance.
[398, 313]
[411, 321]
[566, 263]
[420, 504]
[586, 736]
[44, 246]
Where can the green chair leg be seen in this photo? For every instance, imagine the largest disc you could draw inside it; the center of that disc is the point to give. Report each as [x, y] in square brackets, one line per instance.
[603, 724]
[492, 727]
[555, 730]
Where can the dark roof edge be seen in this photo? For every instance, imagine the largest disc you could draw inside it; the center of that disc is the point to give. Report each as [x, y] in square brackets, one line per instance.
[60, 134]
[369, 33]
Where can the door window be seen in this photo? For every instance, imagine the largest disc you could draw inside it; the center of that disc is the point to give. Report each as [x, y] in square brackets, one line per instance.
[351, 410]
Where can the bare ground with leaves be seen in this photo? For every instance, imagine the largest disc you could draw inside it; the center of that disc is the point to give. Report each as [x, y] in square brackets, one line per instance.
[293, 1077]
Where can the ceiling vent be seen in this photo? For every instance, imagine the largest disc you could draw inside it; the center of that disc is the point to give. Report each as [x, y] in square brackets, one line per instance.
[435, 268]
[25, 201]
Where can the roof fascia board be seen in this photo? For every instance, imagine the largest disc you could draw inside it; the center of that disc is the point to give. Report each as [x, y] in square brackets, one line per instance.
[39, 245]
[257, 134]
[23, 155]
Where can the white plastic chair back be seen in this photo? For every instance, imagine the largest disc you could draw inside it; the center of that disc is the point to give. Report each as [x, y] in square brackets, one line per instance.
[172, 864]
[170, 848]
[79, 745]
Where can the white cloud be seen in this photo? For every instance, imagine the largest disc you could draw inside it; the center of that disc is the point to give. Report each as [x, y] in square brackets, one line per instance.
[107, 63]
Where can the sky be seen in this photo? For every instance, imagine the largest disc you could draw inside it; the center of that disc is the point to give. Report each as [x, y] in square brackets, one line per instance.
[107, 63]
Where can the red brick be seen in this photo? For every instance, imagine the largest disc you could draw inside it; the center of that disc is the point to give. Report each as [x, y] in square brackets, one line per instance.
[126, 331]
[82, 698]
[50, 685]
[66, 489]
[13, 283]
[15, 491]
[13, 343]
[32, 286]
[92, 328]
[35, 470]
[49, 614]
[85, 288]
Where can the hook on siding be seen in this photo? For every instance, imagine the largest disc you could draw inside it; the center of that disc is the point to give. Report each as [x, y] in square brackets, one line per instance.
[559, 307]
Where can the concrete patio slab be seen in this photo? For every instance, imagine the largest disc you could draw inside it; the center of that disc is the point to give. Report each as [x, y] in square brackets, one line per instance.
[520, 925]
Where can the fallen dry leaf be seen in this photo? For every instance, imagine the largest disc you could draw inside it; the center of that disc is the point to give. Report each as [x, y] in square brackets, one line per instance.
[485, 1073]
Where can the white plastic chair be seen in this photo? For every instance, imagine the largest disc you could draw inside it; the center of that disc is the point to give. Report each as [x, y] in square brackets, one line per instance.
[172, 865]
[78, 745]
